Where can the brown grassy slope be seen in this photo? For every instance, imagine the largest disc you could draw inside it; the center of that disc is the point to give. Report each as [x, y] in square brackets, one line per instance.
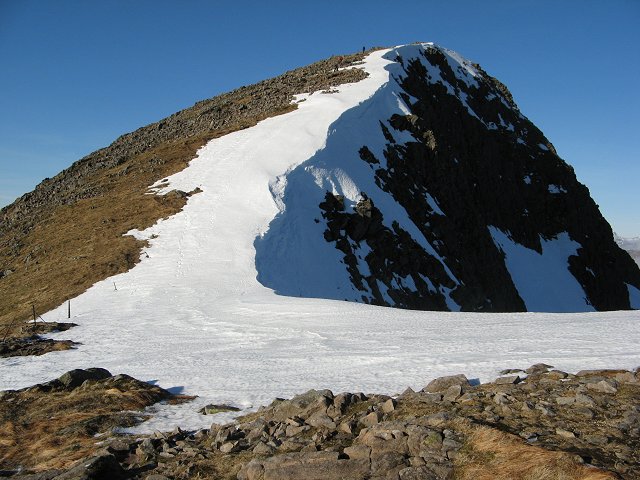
[490, 454]
[66, 235]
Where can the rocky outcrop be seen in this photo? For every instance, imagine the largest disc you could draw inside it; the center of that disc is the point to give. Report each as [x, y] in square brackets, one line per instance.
[27, 340]
[527, 421]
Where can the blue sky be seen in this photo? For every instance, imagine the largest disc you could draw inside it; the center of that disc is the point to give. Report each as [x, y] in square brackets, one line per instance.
[77, 74]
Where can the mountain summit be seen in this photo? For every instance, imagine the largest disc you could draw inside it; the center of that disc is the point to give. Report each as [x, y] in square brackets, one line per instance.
[406, 178]
[436, 193]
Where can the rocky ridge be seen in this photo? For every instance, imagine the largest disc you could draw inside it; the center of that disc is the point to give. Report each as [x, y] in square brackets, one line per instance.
[570, 426]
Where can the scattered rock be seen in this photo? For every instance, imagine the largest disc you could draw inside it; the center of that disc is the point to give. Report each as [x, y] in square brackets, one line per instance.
[509, 371]
[32, 346]
[565, 433]
[416, 435]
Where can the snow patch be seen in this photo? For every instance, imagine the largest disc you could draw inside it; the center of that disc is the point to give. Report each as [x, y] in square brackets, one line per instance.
[543, 281]
[556, 189]
[634, 296]
[433, 205]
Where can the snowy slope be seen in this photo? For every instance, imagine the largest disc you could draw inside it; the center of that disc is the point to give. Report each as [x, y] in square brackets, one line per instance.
[293, 258]
[193, 317]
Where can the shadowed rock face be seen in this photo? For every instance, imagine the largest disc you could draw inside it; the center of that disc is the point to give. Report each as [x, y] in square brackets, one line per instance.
[475, 165]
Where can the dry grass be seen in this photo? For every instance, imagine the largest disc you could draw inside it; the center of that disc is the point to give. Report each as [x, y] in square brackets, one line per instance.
[490, 454]
[43, 431]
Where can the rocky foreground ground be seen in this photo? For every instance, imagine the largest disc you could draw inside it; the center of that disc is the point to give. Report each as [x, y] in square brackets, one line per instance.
[535, 424]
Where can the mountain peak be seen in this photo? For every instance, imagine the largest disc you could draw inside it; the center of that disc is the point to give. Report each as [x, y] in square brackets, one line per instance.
[405, 177]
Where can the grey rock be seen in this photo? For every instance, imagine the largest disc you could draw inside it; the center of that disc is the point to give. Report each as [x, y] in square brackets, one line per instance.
[305, 465]
[230, 447]
[303, 405]
[371, 419]
[74, 378]
[500, 398]
[510, 380]
[602, 387]
[443, 383]
[565, 400]
[430, 397]
[292, 431]
[389, 406]
[321, 420]
[435, 420]
[262, 448]
[387, 464]
[346, 427]
[538, 368]
[452, 393]
[598, 440]
[358, 452]
[583, 412]
[101, 467]
[584, 400]
[146, 448]
[626, 377]
[212, 409]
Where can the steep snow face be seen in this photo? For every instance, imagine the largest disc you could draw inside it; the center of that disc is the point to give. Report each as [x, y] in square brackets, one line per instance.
[398, 206]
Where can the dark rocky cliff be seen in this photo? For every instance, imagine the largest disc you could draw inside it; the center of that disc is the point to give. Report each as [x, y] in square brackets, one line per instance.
[485, 188]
